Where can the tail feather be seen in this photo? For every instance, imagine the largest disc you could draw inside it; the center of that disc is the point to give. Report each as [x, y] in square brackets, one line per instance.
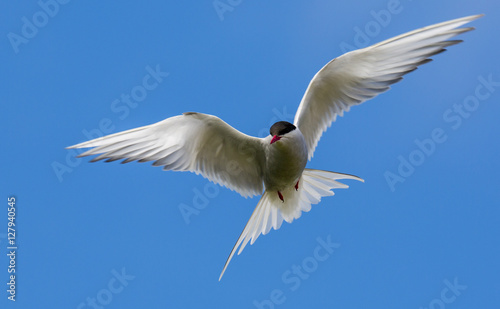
[270, 212]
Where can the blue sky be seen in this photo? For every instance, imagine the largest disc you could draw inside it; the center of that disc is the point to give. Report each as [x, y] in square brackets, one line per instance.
[112, 235]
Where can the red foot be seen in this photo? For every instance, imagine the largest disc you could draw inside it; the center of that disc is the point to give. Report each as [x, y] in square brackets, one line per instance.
[281, 196]
[297, 185]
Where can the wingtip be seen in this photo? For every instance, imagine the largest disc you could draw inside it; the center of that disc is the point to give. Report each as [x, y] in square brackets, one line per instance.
[471, 17]
[356, 178]
[80, 145]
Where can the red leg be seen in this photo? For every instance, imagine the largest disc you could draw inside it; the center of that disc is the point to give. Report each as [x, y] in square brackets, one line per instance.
[281, 196]
[297, 185]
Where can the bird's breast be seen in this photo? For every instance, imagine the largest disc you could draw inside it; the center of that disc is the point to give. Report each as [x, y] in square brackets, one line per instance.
[285, 162]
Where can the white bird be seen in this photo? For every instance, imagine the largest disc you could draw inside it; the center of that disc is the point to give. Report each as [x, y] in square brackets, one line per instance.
[206, 145]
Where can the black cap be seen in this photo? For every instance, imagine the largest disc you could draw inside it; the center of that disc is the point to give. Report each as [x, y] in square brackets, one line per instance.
[281, 128]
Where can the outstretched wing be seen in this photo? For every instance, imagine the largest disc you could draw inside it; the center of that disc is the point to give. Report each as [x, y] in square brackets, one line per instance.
[362, 74]
[199, 143]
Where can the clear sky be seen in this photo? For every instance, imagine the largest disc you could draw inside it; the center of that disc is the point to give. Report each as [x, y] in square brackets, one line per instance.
[421, 232]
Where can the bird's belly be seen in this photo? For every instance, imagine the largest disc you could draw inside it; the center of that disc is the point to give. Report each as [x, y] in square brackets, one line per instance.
[284, 169]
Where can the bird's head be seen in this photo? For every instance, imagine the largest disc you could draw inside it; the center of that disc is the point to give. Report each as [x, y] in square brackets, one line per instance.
[279, 129]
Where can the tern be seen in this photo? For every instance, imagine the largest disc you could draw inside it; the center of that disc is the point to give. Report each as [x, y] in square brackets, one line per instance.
[274, 166]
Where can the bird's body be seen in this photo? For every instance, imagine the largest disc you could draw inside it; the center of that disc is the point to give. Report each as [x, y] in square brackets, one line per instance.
[285, 161]
[274, 166]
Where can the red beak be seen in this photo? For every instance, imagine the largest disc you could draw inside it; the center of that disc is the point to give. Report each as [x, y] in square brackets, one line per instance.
[275, 139]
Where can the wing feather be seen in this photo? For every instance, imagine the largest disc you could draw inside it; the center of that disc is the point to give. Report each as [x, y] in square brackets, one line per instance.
[200, 143]
[362, 74]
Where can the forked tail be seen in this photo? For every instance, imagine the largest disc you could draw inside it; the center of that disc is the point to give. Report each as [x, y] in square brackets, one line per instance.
[271, 211]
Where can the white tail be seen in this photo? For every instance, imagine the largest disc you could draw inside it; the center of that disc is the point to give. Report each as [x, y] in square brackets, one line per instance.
[271, 211]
